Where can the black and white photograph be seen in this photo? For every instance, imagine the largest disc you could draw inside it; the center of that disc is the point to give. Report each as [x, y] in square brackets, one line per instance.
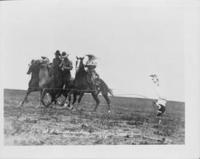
[95, 73]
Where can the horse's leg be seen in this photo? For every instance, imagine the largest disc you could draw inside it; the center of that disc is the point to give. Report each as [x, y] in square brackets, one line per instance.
[42, 96]
[43, 110]
[44, 92]
[79, 100]
[74, 101]
[105, 95]
[69, 99]
[58, 94]
[40, 99]
[80, 97]
[53, 100]
[54, 96]
[26, 97]
[66, 97]
[61, 103]
[95, 96]
[74, 98]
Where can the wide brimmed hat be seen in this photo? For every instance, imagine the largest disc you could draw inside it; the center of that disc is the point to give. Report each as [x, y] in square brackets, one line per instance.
[43, 57]
[90, 56]
[64, 54]
[153, 75]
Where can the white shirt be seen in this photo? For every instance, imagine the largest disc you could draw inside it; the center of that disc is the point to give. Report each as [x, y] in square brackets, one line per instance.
[161, 101]
[91, 63]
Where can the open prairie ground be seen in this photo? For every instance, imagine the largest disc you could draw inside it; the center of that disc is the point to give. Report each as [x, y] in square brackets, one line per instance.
[132, 121]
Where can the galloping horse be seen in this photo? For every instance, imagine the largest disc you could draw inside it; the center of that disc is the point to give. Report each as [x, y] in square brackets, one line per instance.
[33, 84]
[46, 80]
[81, 86]
[51, 82]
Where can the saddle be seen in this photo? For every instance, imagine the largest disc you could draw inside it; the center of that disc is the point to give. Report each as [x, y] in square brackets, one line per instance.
[93, 79]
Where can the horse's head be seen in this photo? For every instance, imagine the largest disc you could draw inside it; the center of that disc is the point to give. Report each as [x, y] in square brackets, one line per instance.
[79, 63]
[33, 66]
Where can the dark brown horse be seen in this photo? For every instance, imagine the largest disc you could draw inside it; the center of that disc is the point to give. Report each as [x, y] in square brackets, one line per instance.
[33, 84]
[81, 85]
[46, 80]
[51, 81]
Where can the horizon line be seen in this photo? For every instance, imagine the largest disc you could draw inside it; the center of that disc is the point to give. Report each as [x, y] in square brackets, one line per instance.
[117, 95]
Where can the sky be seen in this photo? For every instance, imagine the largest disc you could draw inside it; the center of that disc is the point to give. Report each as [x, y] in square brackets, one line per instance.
[130, 39]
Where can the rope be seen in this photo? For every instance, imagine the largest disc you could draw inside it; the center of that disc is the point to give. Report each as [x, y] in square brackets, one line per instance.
[132, 94]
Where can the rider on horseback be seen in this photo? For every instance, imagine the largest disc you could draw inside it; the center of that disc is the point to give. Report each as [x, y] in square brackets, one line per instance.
[57, 59]
[66, 66]
[91, 64]
[56, 62]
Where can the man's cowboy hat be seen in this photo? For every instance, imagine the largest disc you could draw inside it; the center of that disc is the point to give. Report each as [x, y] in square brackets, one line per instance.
[64, 54]
[153, 75]
[90, 56]
[43, 57]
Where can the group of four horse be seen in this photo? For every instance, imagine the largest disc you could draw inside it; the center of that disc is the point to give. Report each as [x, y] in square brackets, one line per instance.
[54, 79]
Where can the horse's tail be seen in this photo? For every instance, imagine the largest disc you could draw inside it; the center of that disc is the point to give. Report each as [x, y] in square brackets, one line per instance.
[104, 87]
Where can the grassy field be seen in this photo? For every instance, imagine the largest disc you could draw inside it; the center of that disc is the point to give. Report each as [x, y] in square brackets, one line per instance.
[132, 121]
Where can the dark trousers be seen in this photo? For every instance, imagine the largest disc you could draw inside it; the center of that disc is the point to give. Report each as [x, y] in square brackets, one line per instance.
[161, 110]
